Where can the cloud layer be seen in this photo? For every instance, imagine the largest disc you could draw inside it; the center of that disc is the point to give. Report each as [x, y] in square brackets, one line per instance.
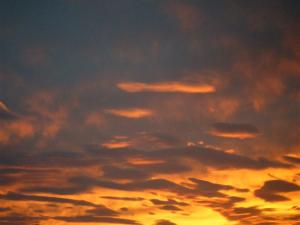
[150, 112]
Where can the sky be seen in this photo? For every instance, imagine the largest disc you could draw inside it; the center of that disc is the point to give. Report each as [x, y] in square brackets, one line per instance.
[140, 112]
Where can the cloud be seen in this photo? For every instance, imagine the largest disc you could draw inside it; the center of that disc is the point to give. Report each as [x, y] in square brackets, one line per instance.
[21, 197]
[101, 210]
[61, 190]
[139, 185]
[116, 144]
[7, 180]
[131, 113]
[166, 87]
[170, 208]
[168, 202]
[117, 172]
[209, 189]
[17, 219]
[6, 114]
[4, 209]
[292, 159]
[216, 158]
[271, 190]
[95, 219]
[164, 222]
[200, 155]
[13, 127]
[123, 198]
[190, 63]
[15, 131]
[231, 130]
[148, 141]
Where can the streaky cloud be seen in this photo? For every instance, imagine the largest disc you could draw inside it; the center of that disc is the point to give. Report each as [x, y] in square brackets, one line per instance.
[233, 130]
[166, 87]
[131, 113]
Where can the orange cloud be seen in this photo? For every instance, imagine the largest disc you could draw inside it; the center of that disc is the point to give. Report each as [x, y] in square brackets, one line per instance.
[141, 161]
[114, 145]
[239, 135]
[16, 130]
[230, 130]
[132, 113]
[168, 87]
[117, 142]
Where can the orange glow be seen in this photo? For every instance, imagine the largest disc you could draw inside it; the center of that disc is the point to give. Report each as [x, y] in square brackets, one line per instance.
[132, 113]
[16, 130]
[166, 87]
[139, 161]
[114, 145]
[239, 135]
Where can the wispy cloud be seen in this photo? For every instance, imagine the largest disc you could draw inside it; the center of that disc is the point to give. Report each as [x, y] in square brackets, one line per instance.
[231, 130]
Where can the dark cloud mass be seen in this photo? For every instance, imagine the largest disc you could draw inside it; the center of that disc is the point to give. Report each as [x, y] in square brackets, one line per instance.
[21, 197]
[164, 222]
[271, 190]
[171, 112]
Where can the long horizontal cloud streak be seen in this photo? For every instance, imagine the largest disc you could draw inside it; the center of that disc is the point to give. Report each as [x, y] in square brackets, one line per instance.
[133, 113]
[230, 130]
[166, 87]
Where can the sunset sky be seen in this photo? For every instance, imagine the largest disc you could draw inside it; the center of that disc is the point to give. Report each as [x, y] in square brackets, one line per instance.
[144, 112]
